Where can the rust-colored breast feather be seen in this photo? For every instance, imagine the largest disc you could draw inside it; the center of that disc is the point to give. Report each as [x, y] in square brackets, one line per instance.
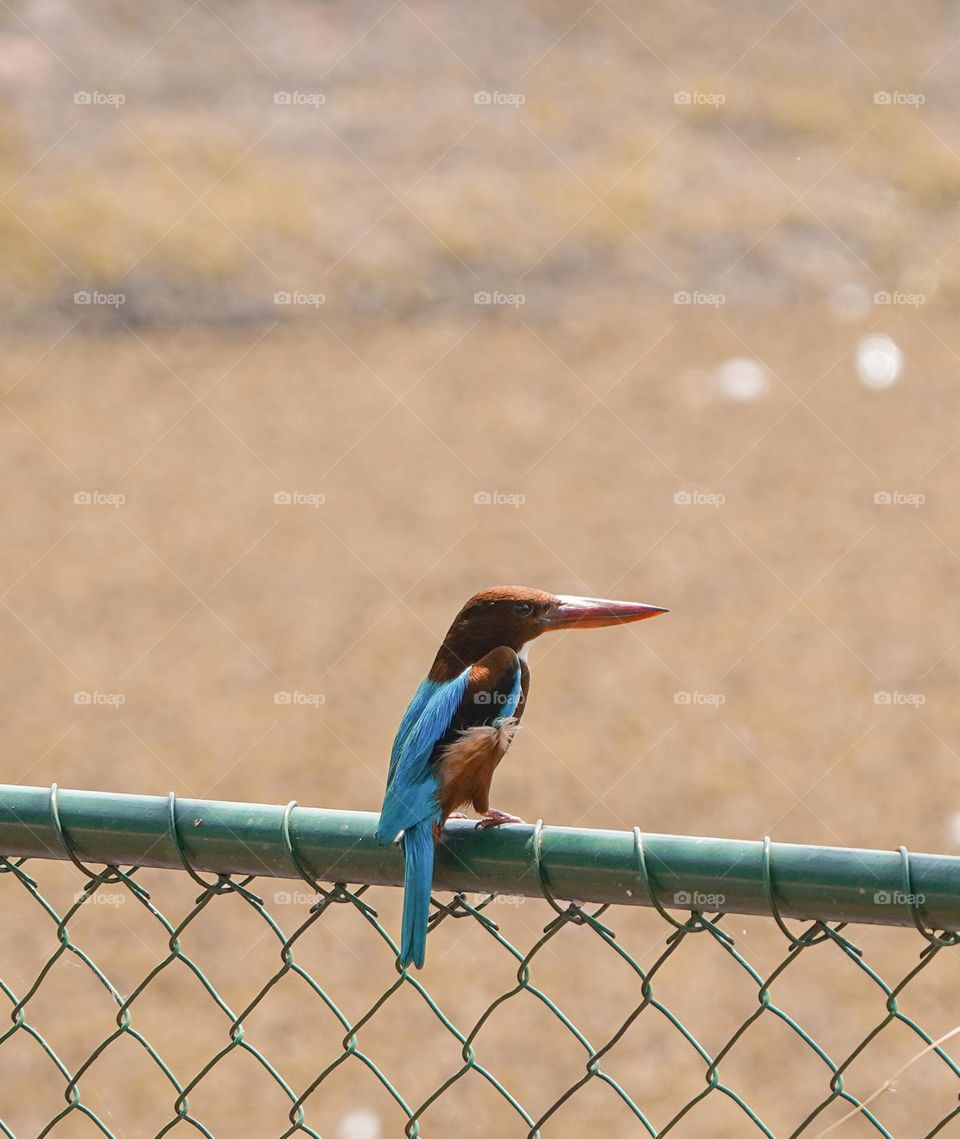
[467, 765]
[480, 733]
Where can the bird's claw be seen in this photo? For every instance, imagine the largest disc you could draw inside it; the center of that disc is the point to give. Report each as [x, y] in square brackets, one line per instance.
[495, 818]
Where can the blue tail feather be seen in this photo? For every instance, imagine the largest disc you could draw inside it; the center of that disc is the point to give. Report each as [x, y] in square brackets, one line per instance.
[418, 847]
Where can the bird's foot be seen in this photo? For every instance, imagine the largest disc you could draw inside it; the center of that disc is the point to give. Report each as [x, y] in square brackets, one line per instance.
[494, 818]
[456, 815]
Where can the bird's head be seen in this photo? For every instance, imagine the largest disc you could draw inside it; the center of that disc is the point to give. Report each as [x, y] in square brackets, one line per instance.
[514, 615]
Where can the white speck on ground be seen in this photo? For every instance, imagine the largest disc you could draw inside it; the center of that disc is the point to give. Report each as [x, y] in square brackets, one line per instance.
[361, 1123]
[742, 380]
[879, 361]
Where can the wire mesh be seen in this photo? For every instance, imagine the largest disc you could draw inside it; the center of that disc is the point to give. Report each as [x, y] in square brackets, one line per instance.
[840, 1098]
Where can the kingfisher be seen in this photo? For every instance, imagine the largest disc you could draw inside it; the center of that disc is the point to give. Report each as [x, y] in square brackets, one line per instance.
[460, 723]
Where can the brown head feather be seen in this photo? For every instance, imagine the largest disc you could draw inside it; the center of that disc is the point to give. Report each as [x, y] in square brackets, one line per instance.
[508, 615]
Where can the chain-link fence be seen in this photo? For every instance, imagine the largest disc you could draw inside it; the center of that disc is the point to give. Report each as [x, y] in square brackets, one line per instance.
[238, 1008]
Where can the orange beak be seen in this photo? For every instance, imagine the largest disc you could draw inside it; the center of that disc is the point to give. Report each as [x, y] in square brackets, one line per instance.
[595, 612]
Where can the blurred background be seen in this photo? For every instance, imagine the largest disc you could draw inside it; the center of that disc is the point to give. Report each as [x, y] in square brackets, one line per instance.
[319, 317]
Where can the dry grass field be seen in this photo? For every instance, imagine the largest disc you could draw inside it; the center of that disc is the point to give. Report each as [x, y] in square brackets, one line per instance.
[623, 453]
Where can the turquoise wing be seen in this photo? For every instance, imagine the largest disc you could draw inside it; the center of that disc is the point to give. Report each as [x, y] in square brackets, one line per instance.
[411, 784]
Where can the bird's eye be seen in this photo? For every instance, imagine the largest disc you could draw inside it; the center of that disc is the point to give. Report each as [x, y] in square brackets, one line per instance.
[522, 608]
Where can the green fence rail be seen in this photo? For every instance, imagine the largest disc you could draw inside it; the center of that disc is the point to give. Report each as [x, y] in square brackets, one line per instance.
[583, 879]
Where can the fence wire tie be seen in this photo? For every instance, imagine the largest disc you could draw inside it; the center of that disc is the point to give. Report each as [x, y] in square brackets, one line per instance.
[94, 878]
[339, 893]
[817, 932]
[572, 912]
[109, 875]
[696, 924]
[949, 937]
[224, 883]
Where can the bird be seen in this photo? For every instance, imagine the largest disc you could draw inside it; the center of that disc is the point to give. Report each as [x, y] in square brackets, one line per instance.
[460, 723]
